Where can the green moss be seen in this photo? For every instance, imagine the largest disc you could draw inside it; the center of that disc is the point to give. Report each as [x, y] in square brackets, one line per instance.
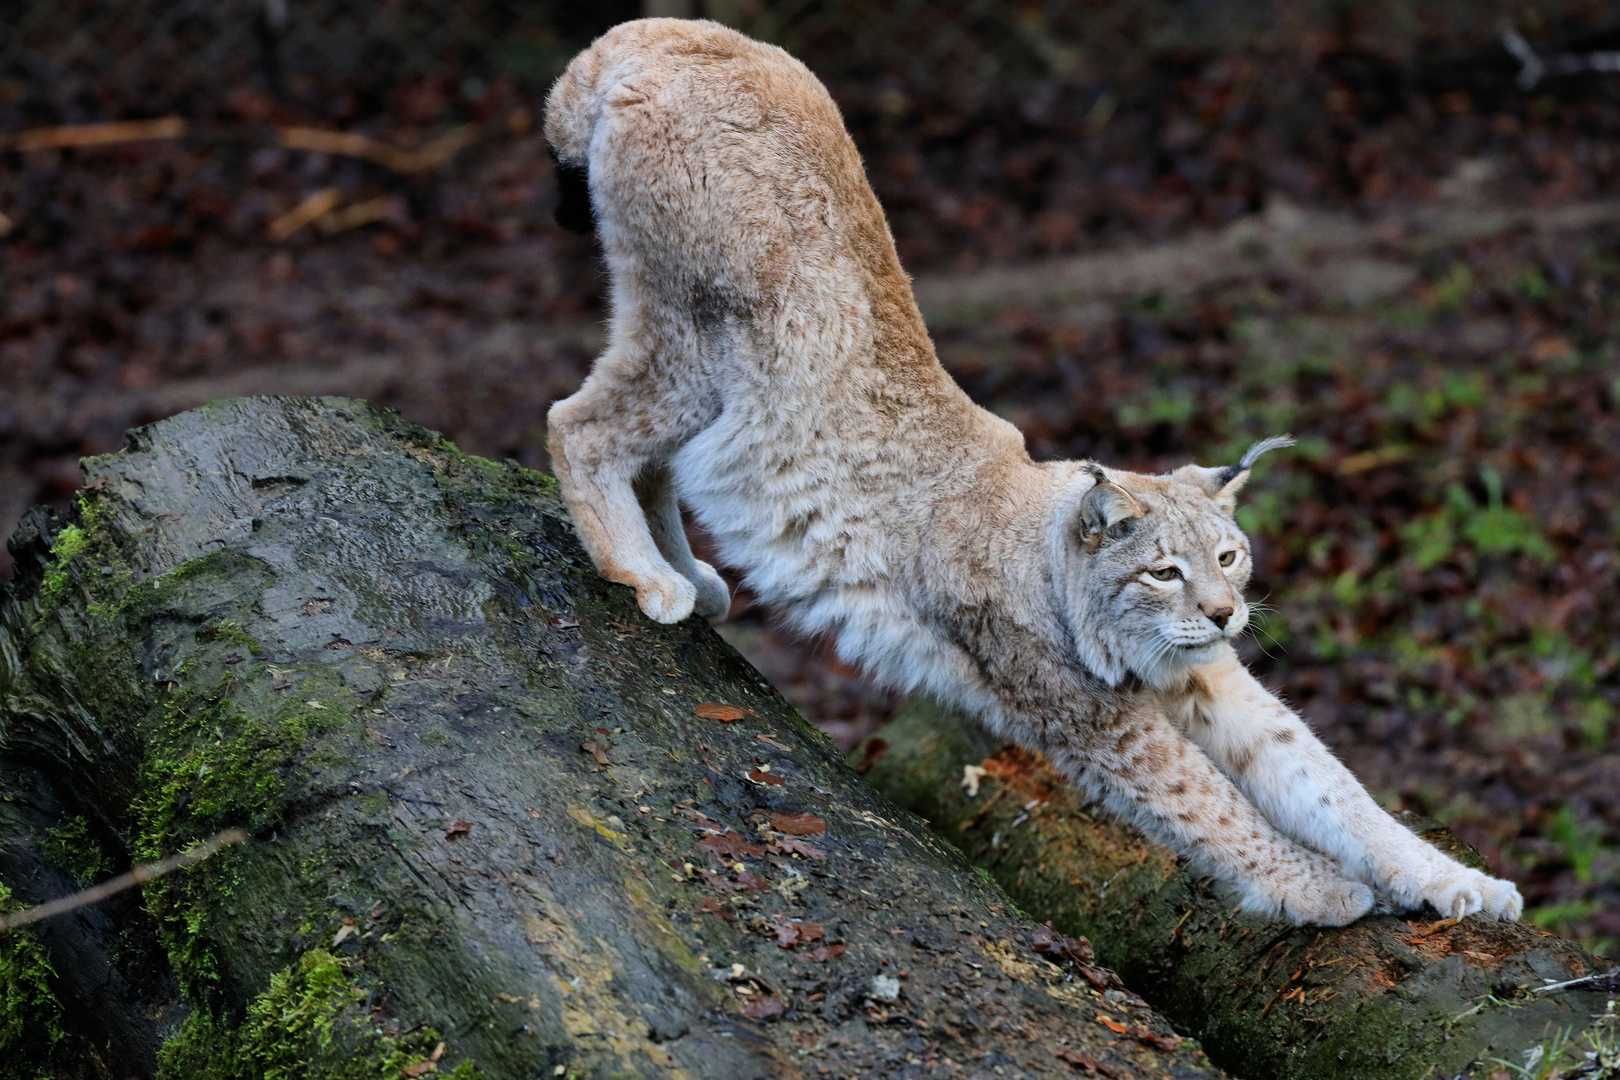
[71, 848]
[230, 632]
[308, 1024]
[69, 544]
[30, 1015]
[210, 766]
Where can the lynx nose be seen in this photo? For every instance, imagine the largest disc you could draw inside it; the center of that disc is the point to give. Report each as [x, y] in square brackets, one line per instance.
[1219, 616]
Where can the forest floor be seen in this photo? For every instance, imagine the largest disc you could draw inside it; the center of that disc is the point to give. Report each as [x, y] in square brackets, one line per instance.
[1418, 280]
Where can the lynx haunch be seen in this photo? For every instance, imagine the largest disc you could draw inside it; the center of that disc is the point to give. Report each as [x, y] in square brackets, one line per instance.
[767, 367]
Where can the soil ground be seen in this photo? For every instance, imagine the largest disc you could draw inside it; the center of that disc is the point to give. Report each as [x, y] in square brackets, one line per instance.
[1406, 263]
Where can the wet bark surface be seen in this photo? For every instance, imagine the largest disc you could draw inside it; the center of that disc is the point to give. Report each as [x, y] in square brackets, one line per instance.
[500, 824]
[1391, 997]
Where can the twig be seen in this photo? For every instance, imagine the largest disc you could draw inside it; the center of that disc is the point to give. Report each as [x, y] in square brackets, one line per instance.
[988, 803]
[1532, 68]
[349, 144]
[135, 876]
[1612, 975]
[56, 138]
[313, 140]
[1286, 984]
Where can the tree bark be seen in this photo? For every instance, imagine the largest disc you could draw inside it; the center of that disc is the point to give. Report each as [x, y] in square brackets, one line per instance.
[494, 830]
[1389, 998]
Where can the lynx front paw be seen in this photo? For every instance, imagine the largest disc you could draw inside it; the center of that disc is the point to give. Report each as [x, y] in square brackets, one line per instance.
[713, 597]
[666, 600]
[1458, 891]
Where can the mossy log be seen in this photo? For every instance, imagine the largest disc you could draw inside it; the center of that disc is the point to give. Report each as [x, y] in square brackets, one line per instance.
[500, 824]
[1388, 998]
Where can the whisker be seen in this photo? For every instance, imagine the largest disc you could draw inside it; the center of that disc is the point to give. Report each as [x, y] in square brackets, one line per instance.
[1159, 644]
[1255, 630]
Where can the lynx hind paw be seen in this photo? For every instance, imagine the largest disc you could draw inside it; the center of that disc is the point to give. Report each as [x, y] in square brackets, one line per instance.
[1335, 903]
[666, 600]
[1338, 904]
[1322, 902]
[1459, 892]
[713, 596]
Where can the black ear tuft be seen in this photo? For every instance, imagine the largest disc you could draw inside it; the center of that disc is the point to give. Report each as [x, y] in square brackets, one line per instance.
[574, 210]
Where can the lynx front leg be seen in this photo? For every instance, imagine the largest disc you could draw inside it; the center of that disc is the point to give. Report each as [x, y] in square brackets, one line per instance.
[1146, 771]
[601, 440]
[1277, 760]
[657, 497]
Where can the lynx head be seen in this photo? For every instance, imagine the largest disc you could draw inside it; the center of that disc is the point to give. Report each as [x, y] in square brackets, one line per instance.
[1152, 568]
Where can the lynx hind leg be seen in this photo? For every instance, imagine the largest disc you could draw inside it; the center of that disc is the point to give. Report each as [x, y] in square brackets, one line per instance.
[656, 493]
[1149, 773]
[601, 439]
[1275, 759]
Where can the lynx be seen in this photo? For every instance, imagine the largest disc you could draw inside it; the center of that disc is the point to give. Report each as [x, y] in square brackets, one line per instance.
[768, 368]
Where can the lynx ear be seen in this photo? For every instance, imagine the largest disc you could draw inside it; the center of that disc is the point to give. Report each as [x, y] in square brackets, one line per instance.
[1223, 484]
[1104, 508]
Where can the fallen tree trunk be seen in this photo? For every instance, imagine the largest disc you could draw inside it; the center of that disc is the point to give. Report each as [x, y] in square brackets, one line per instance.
[1385, 999]
[499, 824]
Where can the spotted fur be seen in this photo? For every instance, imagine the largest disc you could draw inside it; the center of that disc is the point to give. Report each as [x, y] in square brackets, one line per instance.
[768, 368]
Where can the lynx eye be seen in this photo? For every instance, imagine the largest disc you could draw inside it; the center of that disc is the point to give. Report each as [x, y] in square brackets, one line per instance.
[1227, 558]
[1165, 573]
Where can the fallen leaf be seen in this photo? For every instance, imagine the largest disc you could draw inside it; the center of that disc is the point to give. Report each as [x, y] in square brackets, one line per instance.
[1049, 941]
[712, 906]
[714, 710]
[421, 1068]
[1113, 1025]
[1154, 1039]
[597, 752]
[822, 953]
[438, 1052]
[1091, 1065]
[798, 824]
[1420, 932]
[730, 845]
[457, 828]
[791, 932]
[344, 931]
[621, 627]
[764, 779]
[563, 622]
[1010, 763]
[787, 845]
[699, 818]
[768, 1007]
[745, 882]
[1099, 978]
[874, 750]
[1551, 348]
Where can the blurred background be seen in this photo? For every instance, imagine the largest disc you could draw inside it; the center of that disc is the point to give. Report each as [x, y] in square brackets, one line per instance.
[1144, 230]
